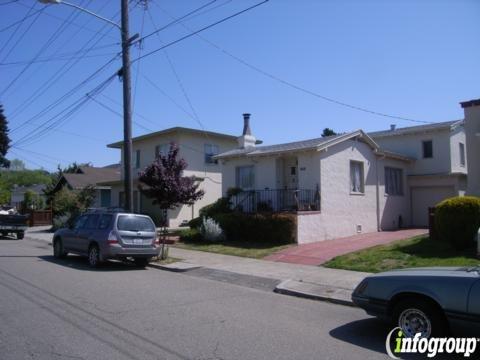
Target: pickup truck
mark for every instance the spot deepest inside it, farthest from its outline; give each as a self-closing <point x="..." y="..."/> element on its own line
<point x="13" y="224"/>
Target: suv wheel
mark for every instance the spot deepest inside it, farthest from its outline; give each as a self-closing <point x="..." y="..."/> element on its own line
<point x="93" y="256"/>
<point x="419" y="316"/>
<point x="58" y="250"/>
<point x="20" y="235"/>
<point x="141" y="262"/>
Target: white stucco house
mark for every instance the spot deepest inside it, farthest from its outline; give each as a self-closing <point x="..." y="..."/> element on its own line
<point x="197" y="147"/>
<point x="355" y="182"/>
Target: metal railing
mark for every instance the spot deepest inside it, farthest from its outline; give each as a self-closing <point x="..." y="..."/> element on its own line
<point x="278" y="200"/>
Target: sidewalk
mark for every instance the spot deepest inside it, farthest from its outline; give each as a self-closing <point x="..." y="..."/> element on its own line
<point x="320" y="252"/>
<point x="300" y="280"/>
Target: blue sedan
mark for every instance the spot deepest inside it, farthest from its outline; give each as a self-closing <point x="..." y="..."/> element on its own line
<point x="431" y="301"/>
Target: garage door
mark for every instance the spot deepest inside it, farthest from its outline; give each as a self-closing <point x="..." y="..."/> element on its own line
<point x="425" y="197"/>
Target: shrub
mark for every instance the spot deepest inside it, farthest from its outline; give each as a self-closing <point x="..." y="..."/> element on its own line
<point x="191" y="235"/>
<point x="221" y="206"/>
<point x="258" y="228"/>
<point x="61" y="221"/>
<point x="211" y="231"/>
<point x="457" y="221"/>
<point x="195" y="223"/>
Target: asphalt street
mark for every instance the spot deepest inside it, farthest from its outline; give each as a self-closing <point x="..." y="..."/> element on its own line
<point x="62" y="309"/>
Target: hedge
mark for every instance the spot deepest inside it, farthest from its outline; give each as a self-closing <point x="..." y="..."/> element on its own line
<point x="457" y="221"/>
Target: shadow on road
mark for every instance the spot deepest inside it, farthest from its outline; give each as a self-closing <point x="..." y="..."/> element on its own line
<point x="371" y="334"/>
<point x="367" y="333"/>
<point x="80" y="263"/>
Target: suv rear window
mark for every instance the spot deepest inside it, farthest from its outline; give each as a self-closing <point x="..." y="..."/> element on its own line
<point x="135" y="223"/>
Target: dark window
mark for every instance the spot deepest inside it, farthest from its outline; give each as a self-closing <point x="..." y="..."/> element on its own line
<point x="137" y="159"/>
<point x="245" y="177"/>
<point x="105" y="221"/>
<point x="293" y="170"/>
<point x="393" y="181"/>
<point x="92" y="221"/>
<point x="135" y="223"/>
<point x="462" y="154"/>
<point x="427" y="149"/>
<point x="210" y="151"/>
<point x="80" y="223"/>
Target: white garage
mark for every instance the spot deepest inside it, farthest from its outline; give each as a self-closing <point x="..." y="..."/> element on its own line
<point x="425" y="197"/>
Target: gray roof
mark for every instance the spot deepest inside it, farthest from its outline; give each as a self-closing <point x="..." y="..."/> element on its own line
<point x="415" y="129"/>
<point x="36" y="188"/>
<point x="176" y="129"/>
<point x="311" y="144"/>
<point x="278" y="148"/>
<point x="91" y="176"/>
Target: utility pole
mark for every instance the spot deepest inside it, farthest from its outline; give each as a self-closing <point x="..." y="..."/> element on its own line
<point x="127" y="109"/>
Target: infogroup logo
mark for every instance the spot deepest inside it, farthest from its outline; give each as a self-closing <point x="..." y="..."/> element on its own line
<point x="430" y="346"/>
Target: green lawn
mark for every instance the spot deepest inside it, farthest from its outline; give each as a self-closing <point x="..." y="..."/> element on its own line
<point x="191" y="241"/>
<point x="415" y="252"/>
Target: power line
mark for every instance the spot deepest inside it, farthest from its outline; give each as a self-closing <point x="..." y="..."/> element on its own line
<point x="180" y="84"/>
<point x="113" y="111"/>
<point x="200" y="30"/>
<point x="175" y="21"/>
<point x="18" y="28"/>
<point x="66" y="95"/>
<point x="65" y="69"/>
<point x="46" y="45"/>
<point x="21" y="20"/>
<point x="56" y="121"/>
<point x="61" y="19"/>
<point x="291" y="84"/>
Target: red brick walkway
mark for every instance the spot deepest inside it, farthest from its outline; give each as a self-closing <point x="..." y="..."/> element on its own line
<point x="319" y="252"/>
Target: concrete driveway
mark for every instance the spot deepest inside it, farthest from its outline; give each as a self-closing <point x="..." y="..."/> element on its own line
<point x="322" y="251"/>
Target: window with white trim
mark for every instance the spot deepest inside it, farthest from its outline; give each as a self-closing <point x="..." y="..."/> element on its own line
<point x="427" y="147"/>
<point x="245" y="177"/>
<point x="462" y="154"/>
<point x="357" y="182"/>
<point x="210" y="151"/>
<point x="393" y="181"/>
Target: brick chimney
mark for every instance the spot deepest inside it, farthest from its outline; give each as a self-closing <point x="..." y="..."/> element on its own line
<point x="247" y="139"/>
<point x="472" y="133"/>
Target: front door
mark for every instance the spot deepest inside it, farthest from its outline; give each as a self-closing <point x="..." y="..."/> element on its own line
<point x="291" y="173"/>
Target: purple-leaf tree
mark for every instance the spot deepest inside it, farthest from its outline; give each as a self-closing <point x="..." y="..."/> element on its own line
<point x="164" y="183"/>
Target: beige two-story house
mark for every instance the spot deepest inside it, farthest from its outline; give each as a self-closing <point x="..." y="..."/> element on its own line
<point x="197" y="147"/>
<point x="351" y="183"/>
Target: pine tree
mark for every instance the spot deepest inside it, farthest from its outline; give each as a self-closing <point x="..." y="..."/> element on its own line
<point x="4" y="140"/>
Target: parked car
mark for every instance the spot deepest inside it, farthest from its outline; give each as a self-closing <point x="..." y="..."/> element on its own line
<point x="433" y="301"/>
<point x="102" y="235"/>
<point x="12" y="223"/>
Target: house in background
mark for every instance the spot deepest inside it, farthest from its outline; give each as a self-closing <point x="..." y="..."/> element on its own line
<point x="197" y="147"/>
<point x="18" y="194"/>
<point x="350" y="183"/>
<point x="472" y="128"/>
<point x="440" y="168"/>
<point x="92" y="176"/>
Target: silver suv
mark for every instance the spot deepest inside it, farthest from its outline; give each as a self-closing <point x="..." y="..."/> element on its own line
<point x="102" y="235"/>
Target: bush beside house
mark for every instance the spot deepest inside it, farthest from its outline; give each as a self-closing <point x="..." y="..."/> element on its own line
<point x="238" y="227"/>
<point x="457" y="221"/>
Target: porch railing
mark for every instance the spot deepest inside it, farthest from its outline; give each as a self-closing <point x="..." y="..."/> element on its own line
<point x="276" y="200"/>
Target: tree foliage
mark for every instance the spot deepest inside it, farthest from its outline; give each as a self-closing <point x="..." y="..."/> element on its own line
<point x="328" y="132"/>
<point x="4" y="139"/>
<point x="163" y="182"/>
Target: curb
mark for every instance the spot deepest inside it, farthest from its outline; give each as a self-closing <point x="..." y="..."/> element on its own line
<point x="315" y="292"/>
<point x="178" y="266"/>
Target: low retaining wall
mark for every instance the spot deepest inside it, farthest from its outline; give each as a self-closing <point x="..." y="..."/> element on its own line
<point x="314" y="226"/>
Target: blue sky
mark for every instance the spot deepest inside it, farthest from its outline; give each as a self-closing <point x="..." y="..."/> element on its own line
<point x="407" y="58"/>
